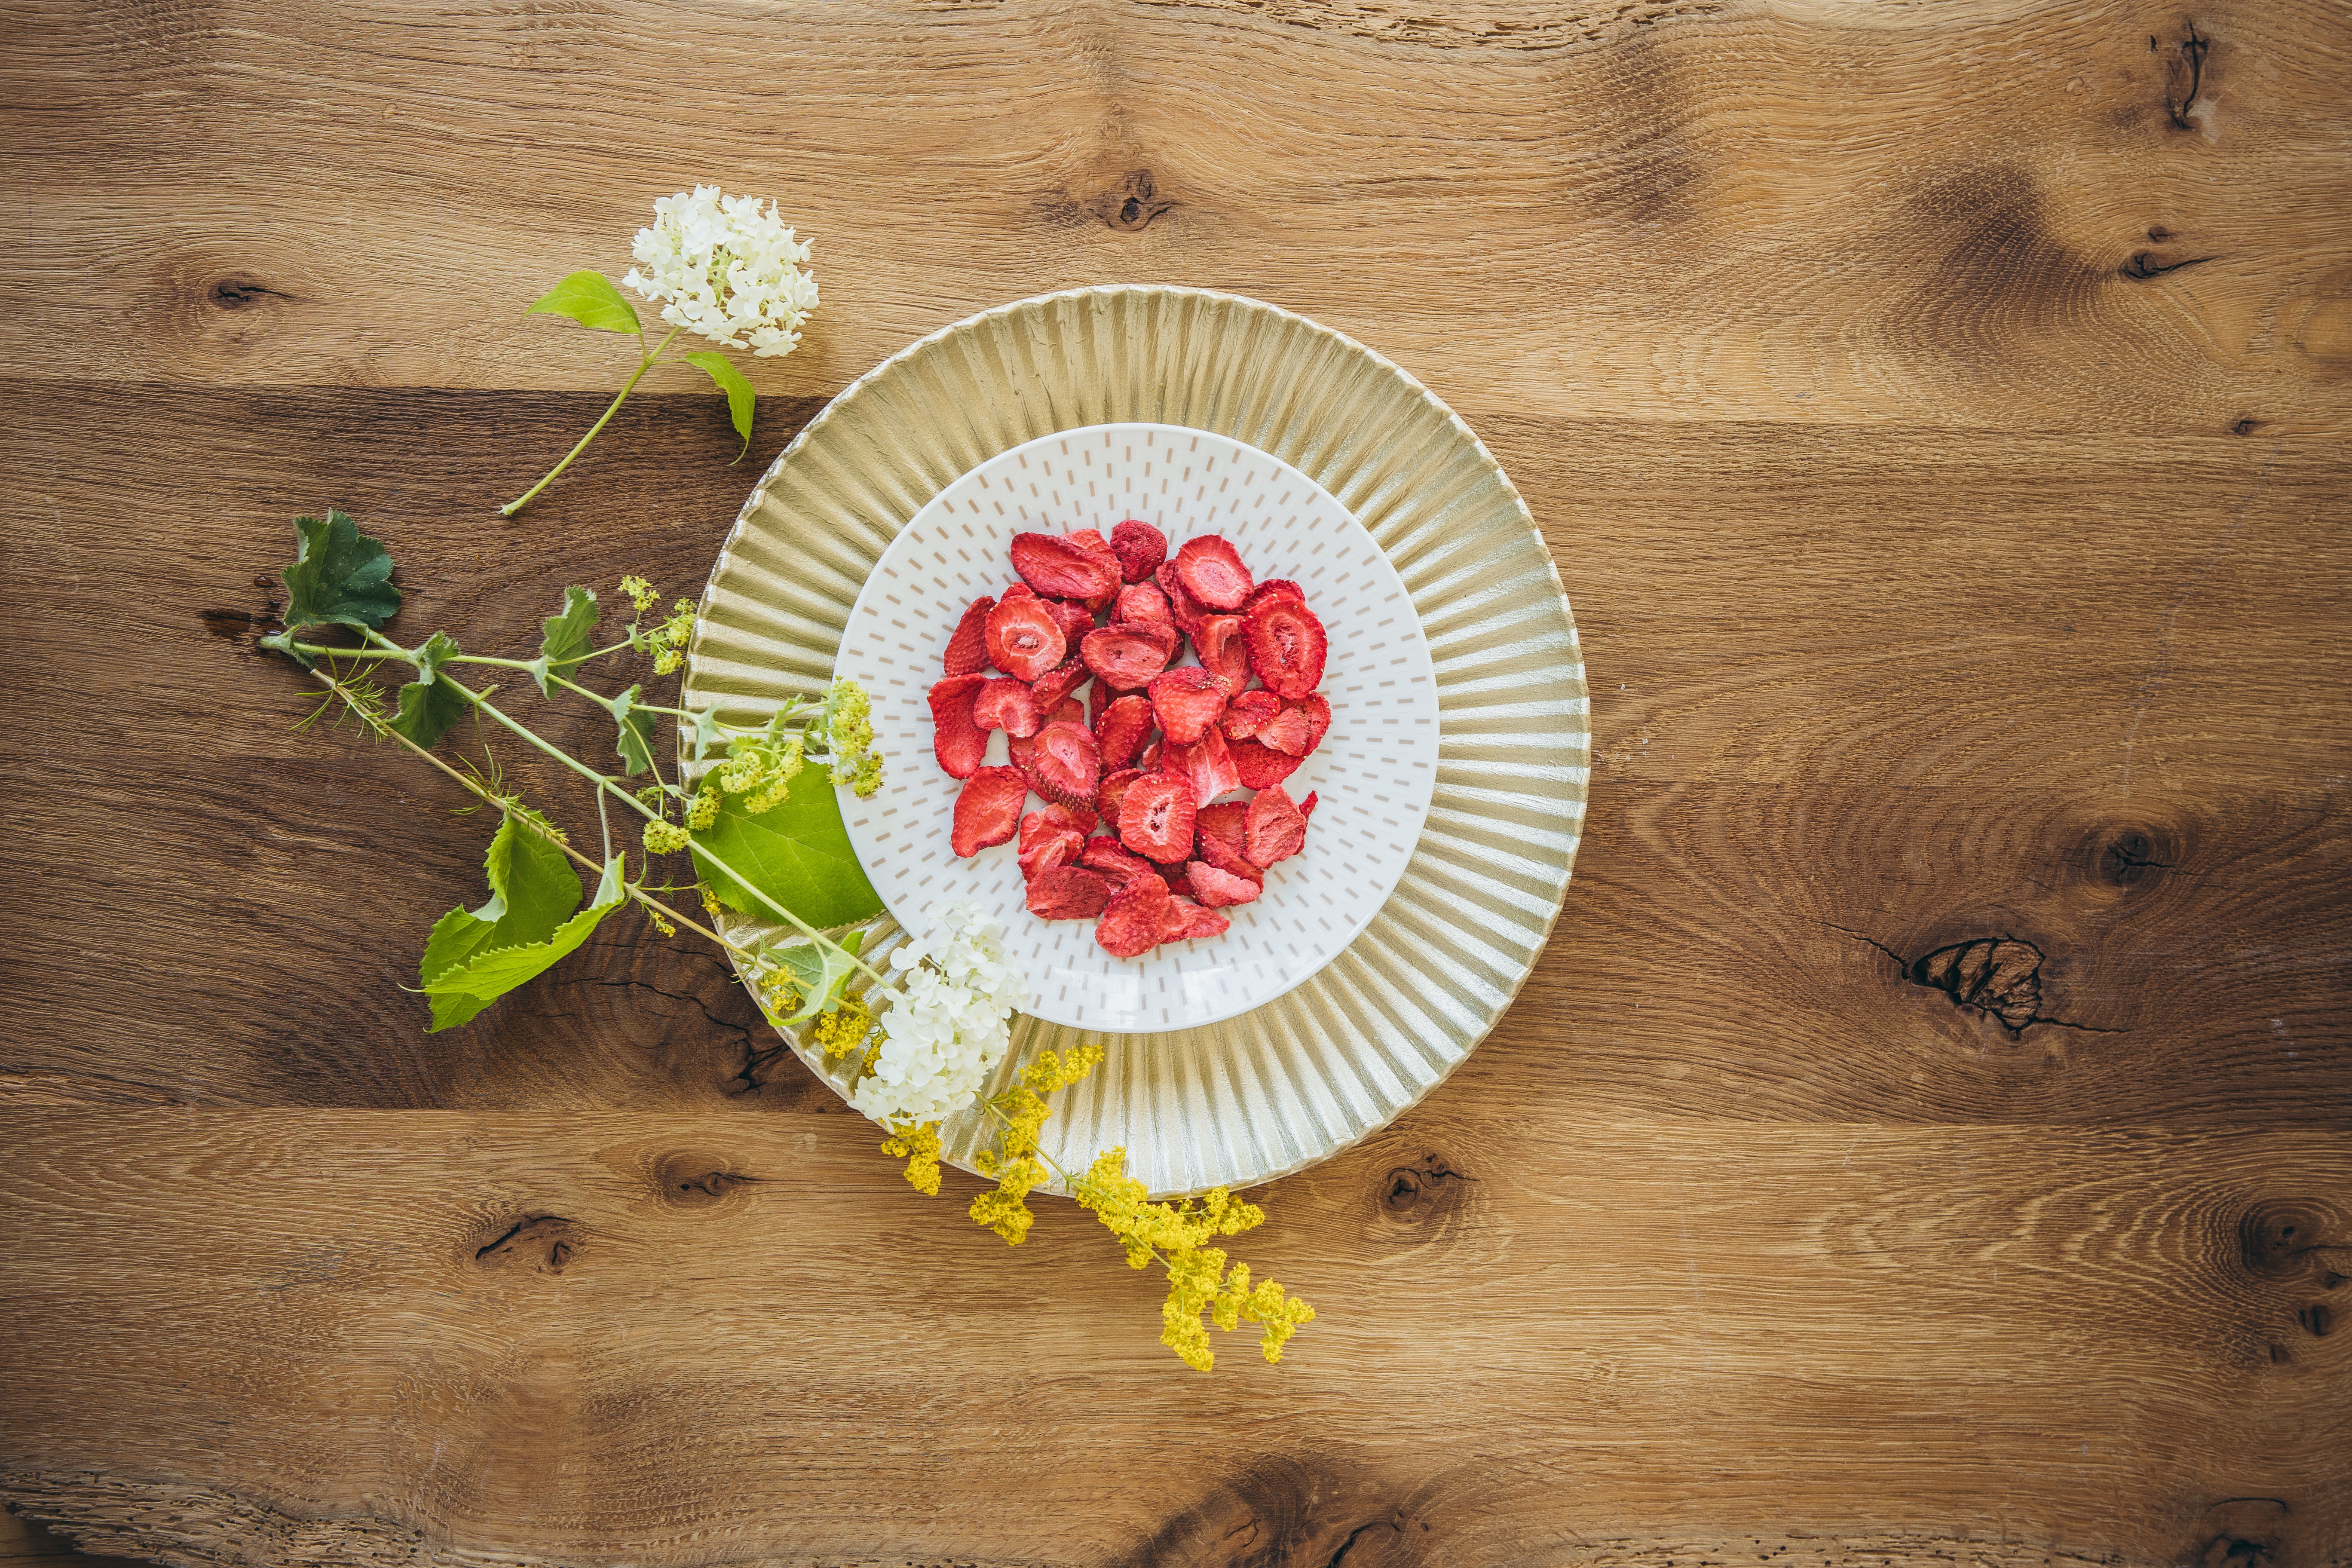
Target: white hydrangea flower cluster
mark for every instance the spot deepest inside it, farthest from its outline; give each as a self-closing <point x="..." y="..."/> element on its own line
<point x="947" y="1023"/>
<point x="729" y="267"/>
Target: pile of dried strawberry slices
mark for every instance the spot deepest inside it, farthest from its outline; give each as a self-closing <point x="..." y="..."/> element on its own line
<point x="1151" y="752"/>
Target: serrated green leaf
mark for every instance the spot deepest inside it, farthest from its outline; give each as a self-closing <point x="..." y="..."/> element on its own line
<point x="475" y="956"/>
<point x="566" y="638"/>
<point x="740" y="398"/>
<point x="820" y="974"/>
<point x="340" y="577"/>
<point x="706" y="731"/>
<point x="589" y="299"/>
<point x="635" y="744"/>
<point x="798" y="854"/>
<point x="429" y="705"/>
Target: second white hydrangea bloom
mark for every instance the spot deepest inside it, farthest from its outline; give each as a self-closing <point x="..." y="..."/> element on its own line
<point x="728" y="267"/>
<point x="951" y="1023"/>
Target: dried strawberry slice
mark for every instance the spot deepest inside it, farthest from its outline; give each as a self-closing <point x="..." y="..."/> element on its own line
<point x="1024" y="640"/>
<point x="1260" y="766"/>
<point x="1140" y="548"/>
<point x="1187" y="702"/>
<point x="1219" y="889"/>
<point x="1056" y="846"/>
<point x="1212" y="572"/>
<point x="1274" y="830"/>
<point x="1095" y="545"/>
<point x="1245" y="711"/>
<point x="1206" y="761"/>
<point x="1277" y="588"/>
<point x="1075" y="619"/>
<point x="1068" y="710"/>
<point x="987" y="811"/>
<point x="1043" y="826"/>
<point x="1307" y="806"/>
<point x="1113" y="791"/>
<point x="1318" y="719"/>
<point x="1131" y="920"/>
<point x="1149" y="760"/>
<point x="1186" y="920"/>
<point x="1115" y="862"/>
<point x="1021" y="749"/>
<point x="1286" y="732"/>
<point x="1059" y="681"/>
<point x="1155" y="817"/>
<point x="1066" y="765"/>
<point x="1067" y="893"/>
<point x="1182" y="607"/>
<point x="959" y="744"/>
<point x="968" y="649"/>
<point x="1286" y="646"/>
<point x="1127" y="657"/>
<point x="1061" y="568"/>
<point x="1231" y="861"/>
<point x="1122" y="730"/>
<point x="1099" y="701"/>
<point x="1224" y="649"/>
<point x="1009" y="705"/>
<point x="1222" y="824"/>
<point x="1142" y="605"/>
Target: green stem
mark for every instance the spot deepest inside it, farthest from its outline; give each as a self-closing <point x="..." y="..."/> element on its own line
<point x="645" y="362"/>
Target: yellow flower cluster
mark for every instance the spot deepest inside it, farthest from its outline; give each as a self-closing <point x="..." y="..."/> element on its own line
<point x="849" y="732"/>
<point x="665" y="837"/>
<point x="1177" y="1236"/>
<point x="1023" y="1111"/>
<point x="919" y="1147"/>
<point x="641" y="594"/>
<point x="760" y="768"/>
<point x="845" y="1030"/>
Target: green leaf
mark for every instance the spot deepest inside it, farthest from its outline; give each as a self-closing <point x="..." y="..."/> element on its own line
<point x="340" y="577"/>
<point x="429" y="705"/>
<point x="706" y="731"/>
<point x="798" y="854"/>
<point x="566" y="636"/>
<point x="820" y="972"/>
<point x="475" y="956"/>
<point x="738" y="388"/>
<point x="589" y="299"/>
<point x="637" y="743"/>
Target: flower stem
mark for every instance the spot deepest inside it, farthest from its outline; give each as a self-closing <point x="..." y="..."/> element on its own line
<point x="645" y="362"/>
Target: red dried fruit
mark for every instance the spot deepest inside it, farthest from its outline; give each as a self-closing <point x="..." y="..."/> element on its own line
<point x="1140" y="549"/>
<point x="1024" y="640"/>
<point x="987" y="811"/>
<point x="1009" y="705"/>
<point x="1261" y="766"/>
<point x="1061" y="568"/>
<point x="1066" y="765"/>
<point x="968" y="649"/>
<point x="1307" y="806"/>
<point x="1050" y="823"/>
<point x="1285" y="732"/>
<point x="1224" y="650"/>
<point x="1095" y="545"/>
<point x="1099" y="701"/>
<point x="1245" y="711"/>
<point x="1187" y="702"/>
<point x="1219" y="889"/>
<point x="1184" y="609"/>
<point x="1067" y="893"/>
<point x="1231" y="861"/>
<point x="1205" y="763"/>
<point x="1054" y="846"/>
<point x="1149" y="760"/>
<point x="959" y="744"/>
<point x="1142" y="606"/>
<point x="1068" y="710"/>
<point x="1075" y="619"/>
<point x="1274" y="830"/>
<point x="1222" y="824"/>
<point x="1122" y="730"/>
<point x="1212" y="572"/>
<point x="1059" y="681"/>
<point x="1127" y="657"/>
<point x="1277" y="588"/>
<point x="1156" y="817"/>
<point x="1186" y="920"/>
<point x="1286" y="646"/>
<point x="1020" y="749"/>
<point x="1318" y="719"/>
<point x="1131" y="921"/>
<point x="1113" y="791"/>
<point x="1116" y="862"/>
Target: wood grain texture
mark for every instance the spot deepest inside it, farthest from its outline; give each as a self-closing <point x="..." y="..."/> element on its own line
<point x="1924" y="1140"/>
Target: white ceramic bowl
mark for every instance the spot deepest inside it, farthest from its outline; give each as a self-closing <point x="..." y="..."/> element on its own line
<point x="1372" y="774"/>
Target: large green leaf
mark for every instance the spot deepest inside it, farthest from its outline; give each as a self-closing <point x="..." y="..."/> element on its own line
<point x="740" y="398"/>
<point x="635" y="744"/>
<point x="429" y="705"/>
<point x="339" y="576"/>
<point x="820" y="972"/>
<point x="475" y="956"/>
<point x="798" y="854"/>
<point x="589" y="299"/>
<point x="567" y="636"/>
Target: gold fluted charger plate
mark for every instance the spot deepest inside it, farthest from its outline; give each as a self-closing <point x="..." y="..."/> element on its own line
<point x="1307" y="1074"/>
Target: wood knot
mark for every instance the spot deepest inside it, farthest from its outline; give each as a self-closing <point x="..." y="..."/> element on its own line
<point x="544" y="1243"/>
<point x="1133" y="203"/>
<point x="239" y="294"/>
<point x="693" y="1180"/>
<point x="2285" y="1238"/>
<point x="1996" y="976"/>
<point x="1416" y="1201"/>
<point x="2129" y="855"/>
<point x="2240" y="1532"/>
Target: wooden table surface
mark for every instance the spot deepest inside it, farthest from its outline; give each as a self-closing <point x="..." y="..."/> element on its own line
<point x="1938" y="414"/>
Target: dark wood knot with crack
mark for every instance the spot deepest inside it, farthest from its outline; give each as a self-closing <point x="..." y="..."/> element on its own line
<point x="1133" y="203"/>
<point x="544" y="1243"/>
<point x="2184" y="75"/>
<point x="691" y="1180"/>
<point x="1999" y="977"/>
<point x="1417" y="1203"/>
<point x="241" y="293"/>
